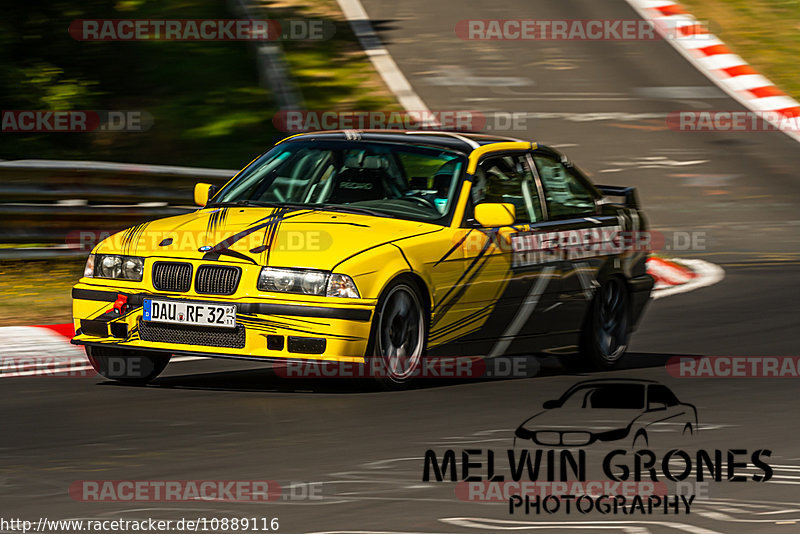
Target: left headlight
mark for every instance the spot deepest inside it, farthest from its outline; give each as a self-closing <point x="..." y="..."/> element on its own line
<point x="115" y="267"/>
<point x="307" y="282"/>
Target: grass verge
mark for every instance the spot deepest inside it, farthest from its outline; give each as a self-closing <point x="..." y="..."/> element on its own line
<point x="207" y="106"/>
<point x="766" y="33"/>
<point x="37" y="292"/>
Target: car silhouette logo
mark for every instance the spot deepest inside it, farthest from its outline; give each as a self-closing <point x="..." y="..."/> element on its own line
<point x="608" y="410"/>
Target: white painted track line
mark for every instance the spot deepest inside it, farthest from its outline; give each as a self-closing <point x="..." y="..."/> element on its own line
<point x="392" y="76"/>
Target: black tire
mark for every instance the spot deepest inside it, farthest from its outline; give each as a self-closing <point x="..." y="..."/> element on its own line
<point x="125" y="365"/>
<point x="606" y="331"/>
<point x="399" y="335"/>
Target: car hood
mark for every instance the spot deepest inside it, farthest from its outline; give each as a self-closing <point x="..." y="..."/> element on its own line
<point x="581" y="419"/>
<point x="281" y="237"/>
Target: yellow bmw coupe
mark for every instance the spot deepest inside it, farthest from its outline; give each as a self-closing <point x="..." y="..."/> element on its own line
<point x="372" y="247"/>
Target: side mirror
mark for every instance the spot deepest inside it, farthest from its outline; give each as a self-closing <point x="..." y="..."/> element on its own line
<point x="549" y="405"/>
<point x="656" y="406"/>
<point x="494" y="214"/>
<point x="203" y="193"/>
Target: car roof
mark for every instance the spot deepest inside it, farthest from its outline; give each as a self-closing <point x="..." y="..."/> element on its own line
<point x="461" y="141"/>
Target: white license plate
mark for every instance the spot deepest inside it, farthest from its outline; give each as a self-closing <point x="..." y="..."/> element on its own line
<point x="192" y="313"/>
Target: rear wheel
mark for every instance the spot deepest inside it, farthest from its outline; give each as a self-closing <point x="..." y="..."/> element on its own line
<point x="607" y="329"/>
<point x="125" y="365"/>
<point x="399" y="334"/>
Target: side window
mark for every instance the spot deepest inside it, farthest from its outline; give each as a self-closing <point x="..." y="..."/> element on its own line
<point x="564" y="193"/>
<point x="508" y="179"/>
<point x="662" y="394"/>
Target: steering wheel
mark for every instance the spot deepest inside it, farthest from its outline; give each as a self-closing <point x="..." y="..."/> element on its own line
<point x="424" y="201"/>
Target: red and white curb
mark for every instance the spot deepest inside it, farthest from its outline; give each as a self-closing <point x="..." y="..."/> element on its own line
<point x="46" y="351"/>
<point x="39" y="350"/>
<point x="675" y="276"/>
<point x="713" y="58"/>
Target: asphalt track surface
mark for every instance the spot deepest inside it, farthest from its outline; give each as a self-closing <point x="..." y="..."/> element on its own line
<point x="232" y="421"/>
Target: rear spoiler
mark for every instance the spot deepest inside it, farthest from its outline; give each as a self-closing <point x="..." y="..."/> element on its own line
<point x="628" y="193"/>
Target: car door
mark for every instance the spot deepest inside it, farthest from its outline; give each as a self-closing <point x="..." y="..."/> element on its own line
<point x="506" y="291"/>
<point x="585" y="238"/>
<point x="665" y="414"/>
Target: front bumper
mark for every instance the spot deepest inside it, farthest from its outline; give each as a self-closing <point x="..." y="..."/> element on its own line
<point x="267" y="329"/>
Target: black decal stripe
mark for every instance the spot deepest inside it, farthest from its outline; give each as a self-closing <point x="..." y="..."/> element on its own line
<point x="274" y="327"/>
<point x="252" y="317"/>
<point x="461" y="323"/>
<point x="271" y="232"/>
<point x="472" y="265"/>
<point x="291" y="310"/>
<point x="391" y="241"/>
<point x="256" y="327"/>
<point x="227" y="243"/>
<point x="218" y="249"/>
<point x="131" y="237"/>
<point x="232" y="253"/>
<point x="404" y="257"/>
<point x="216" y="219"/>
<point x="453" y="248"/>
<point x="445" y="306"/>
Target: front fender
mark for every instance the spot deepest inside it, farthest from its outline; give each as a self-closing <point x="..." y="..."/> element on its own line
<point x="373" y="269"/>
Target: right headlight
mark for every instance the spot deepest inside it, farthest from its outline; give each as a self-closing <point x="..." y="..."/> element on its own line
<point x="115" y="267"/>
<point x="307" y="282"/>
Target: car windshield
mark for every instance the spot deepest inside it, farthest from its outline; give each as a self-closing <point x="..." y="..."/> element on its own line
<point x="607" y="396"/>
<point x="395" y="180"/>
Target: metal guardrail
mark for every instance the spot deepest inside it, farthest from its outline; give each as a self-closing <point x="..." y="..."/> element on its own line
<point x="44" y="202"/>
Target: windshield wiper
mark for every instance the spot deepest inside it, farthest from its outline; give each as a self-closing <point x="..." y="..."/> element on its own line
<point x="242" y="203"/>
<point x="352" y="209"/>
<point x="298" y="205"/>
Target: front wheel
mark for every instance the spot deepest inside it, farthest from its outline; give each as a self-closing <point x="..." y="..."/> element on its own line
<point x="607" y="329"/>
<point x="399" y="334"/>
<point x="125" y="365"/>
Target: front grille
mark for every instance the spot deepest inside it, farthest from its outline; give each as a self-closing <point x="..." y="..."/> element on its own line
<point x="170" y="276"/>
<point x="554" y="438"/>
<point x="232" y="338"/>
<point x="217" y="279"/>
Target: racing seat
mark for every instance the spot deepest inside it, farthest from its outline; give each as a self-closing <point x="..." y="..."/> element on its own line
<point x="360" y="181"/>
